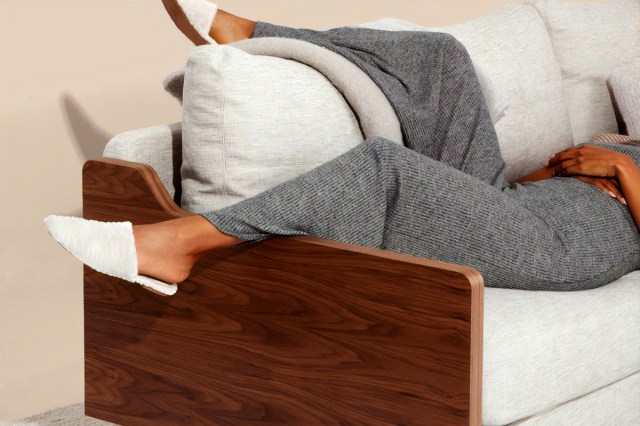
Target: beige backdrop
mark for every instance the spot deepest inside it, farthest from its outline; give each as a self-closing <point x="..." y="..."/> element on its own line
<point x="74" y="73"/>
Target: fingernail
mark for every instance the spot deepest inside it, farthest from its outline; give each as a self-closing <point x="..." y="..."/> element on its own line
<point x="624" y="201"/>
<point x="612" y="194"/>
<point x="546" y="164"/>
<point x="553" y="155"/>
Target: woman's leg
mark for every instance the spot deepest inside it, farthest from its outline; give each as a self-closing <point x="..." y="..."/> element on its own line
<point x="380" y="194"/>
<point x="168" y="250"/>
<point x="431" y="82"/>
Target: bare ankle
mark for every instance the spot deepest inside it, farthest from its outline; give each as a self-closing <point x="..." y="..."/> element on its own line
<point x="201" y="236"/>
<point x="228" y="28"/>
<point x="168" y="250"/>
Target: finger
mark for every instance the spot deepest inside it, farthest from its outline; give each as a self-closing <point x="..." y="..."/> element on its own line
<point x="614" y="190"/>
<point x="570" y="149"/>
<point x="608" y="186"/>
<point x="562" y="156"/>
<point x="580" y="166"/>
<point x="615" y="183"/>
<point x="584" y="151"/>
<point x="570" y="170"/>
<point x="599" y="183"/>
<point x="600" y="186"/>
<point x="562" y="169"/>
<point x="603" y="185"/>
<point x="611" y="183"/>
<point x="611" y="189"/>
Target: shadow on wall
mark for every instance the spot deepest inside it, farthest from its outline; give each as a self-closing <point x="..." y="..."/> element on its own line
<point x="89" y="139"/>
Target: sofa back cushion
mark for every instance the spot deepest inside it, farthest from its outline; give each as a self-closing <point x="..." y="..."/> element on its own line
<point x="590" y="41"/>
<point x="252" y="122"/>
<point x="511" y="46"/>
<point x="625" y="90"/>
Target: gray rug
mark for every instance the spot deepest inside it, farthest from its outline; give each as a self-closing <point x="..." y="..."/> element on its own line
<point x="72" y="415"/>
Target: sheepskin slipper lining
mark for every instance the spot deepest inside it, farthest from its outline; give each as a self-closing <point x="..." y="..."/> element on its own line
<point x="107" y="247"/>
<point x="200" y="14"/>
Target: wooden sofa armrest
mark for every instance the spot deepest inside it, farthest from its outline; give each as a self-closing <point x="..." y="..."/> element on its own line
<point x="287" y="330"/>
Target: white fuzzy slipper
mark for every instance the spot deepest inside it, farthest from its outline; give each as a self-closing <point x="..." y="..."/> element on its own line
<point x="200" y="14"/>
<point x="107" y="247"/>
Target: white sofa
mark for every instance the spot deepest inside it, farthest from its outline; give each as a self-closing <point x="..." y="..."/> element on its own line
<point x="552" y="358"/>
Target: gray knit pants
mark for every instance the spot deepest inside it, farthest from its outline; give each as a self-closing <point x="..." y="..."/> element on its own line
<point x="380" y="194"/>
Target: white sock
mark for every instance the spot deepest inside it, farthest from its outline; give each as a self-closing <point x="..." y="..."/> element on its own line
<point x="200" y="14"/>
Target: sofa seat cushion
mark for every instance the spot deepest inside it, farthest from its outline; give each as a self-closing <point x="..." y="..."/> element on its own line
<point x="544" y="348"/>
<point x="590" y="41"/>
<point x="614" y="404"/>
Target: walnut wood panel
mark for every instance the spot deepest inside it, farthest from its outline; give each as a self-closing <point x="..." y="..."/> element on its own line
<point x="288" y="330"/>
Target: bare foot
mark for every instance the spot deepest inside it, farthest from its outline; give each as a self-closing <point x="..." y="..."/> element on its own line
<point x="226" y="28"/>
<point x="168" y="250"/>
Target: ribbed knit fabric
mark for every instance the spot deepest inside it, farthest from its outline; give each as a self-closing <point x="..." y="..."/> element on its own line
<point x="443" y="196"/>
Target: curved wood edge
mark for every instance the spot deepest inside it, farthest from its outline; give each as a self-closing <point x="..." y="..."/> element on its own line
<point x="477" y="338"/>
<point x="149" y="176"/>
<point x="473" y="275"/>
<point x="167" y="209"/>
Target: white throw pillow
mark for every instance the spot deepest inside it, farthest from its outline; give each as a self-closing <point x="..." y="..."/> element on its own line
<point x="512" y="48"/>
<point x="625" y="87"/>
<point x="590" y="41"/>
<point x="252" y="122"/>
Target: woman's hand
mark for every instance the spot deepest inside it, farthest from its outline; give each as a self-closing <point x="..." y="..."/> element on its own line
<point x="597" y="162"/>
<point x="589" y="160"/>
<point x="610" y="186"/>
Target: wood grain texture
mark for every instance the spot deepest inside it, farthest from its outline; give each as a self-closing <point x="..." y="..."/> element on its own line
<point x="288" y="330"/>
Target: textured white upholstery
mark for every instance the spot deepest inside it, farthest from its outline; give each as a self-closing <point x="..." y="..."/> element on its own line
<point x="616" y="404"/>
<point x="590" y="41"/>
<point x="252" y="122"/>
<point x="158" y="146"/>
<point x="545" y="348"/>
<point x="625" y="88"/>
